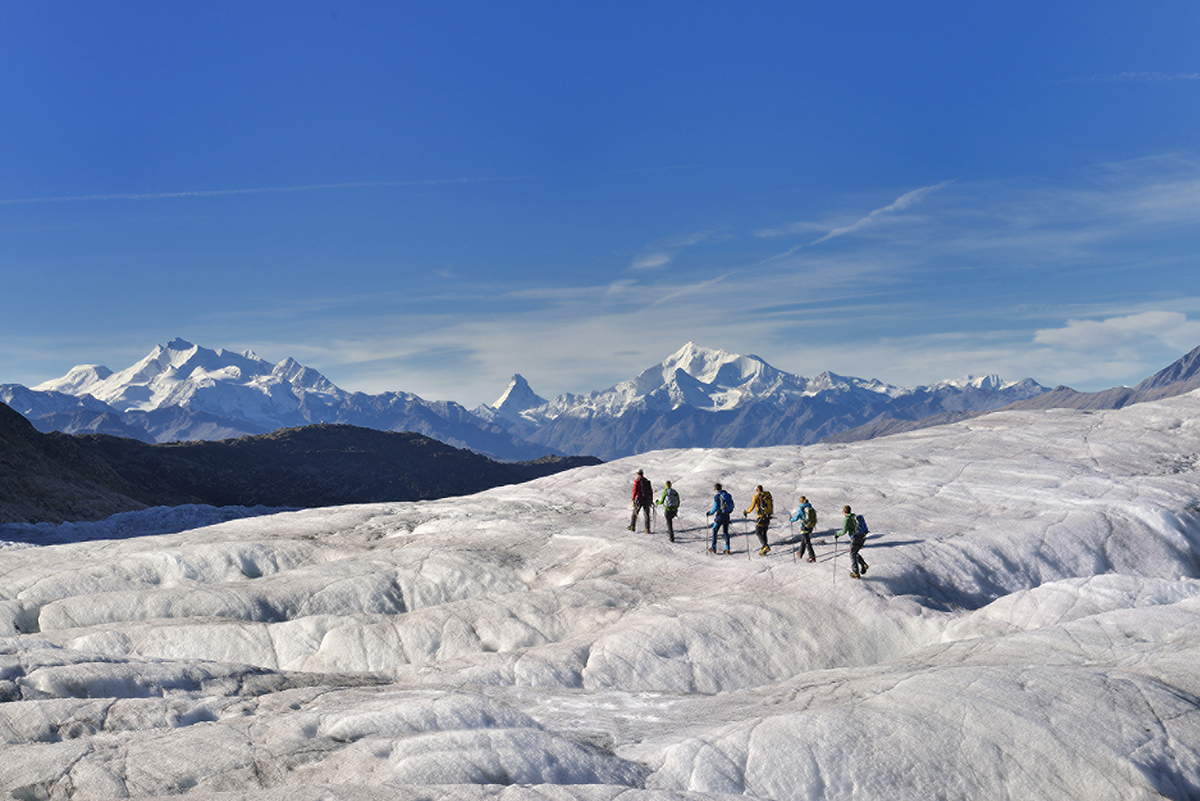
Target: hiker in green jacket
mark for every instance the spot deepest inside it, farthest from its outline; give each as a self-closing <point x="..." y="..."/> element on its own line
<point x="850" y="526"/>
<point x="670" y="504"/>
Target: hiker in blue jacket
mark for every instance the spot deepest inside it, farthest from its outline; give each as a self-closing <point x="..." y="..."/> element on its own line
<point x="809" y="515"/>
<point x="721" y="509"/>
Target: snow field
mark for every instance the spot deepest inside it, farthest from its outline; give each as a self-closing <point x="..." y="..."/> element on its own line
<point x="1028" y="628"/>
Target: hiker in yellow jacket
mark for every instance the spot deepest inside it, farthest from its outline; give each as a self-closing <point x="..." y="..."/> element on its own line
<point x="764" y="507"/>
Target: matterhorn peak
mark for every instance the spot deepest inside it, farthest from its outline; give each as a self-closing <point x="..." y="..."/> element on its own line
<point x="518" y="397"/>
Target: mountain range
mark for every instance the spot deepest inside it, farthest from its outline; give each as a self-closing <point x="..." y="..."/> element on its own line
<point x="696" y="397"/>
<point x="181" y="391"/>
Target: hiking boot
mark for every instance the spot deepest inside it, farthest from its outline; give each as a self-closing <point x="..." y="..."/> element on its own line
<point x="854" y="575"/>
<point x="863" y="569"/>
<point x="766" y="549"/>
<point x="812" y="558"/>
<point x="672" y="538"/>
<point x="727" y="552"/>
<point x="712" y="550"/>
<point x="631" y="528"/>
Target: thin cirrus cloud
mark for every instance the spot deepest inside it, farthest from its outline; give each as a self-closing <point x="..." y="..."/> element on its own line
<point x="902" y="203"/>
<point x="664" y="251"/>
<point x="257" y="190"/>
<point x="650" y="261"/>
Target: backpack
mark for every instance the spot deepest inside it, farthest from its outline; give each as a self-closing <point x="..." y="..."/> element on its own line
<point x="766" y="506"/>
<point x="810" y="516"/>
<point x="645" y="492"/>
<point x="671" y="499"/>
<point x="862" y="526"/>
<point x="726" y="504"/>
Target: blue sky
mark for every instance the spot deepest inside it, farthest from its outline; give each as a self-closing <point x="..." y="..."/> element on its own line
<point x="432" y="196"/>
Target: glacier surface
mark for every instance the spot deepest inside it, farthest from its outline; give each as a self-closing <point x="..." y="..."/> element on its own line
<point x="1029" y="628"/>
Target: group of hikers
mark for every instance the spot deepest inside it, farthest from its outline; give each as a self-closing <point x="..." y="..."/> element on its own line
<point x="762" y="507"/>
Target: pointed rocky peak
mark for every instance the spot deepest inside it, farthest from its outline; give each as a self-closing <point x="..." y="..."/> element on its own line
<point x="518" y="397"/>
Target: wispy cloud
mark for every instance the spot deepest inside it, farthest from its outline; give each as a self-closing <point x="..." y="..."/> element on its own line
<point x="650" y="261"/>
<point x="664" y="252"/>
<point x="1131" y="331"/>
<point x="791" y="229"/>
<point x="259" y="190"/>
<point x="902" y="203"/>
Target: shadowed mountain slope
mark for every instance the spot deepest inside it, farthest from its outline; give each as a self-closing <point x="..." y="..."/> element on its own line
<point x="57" y="477"/>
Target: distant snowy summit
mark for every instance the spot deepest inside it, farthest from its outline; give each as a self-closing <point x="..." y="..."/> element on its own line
<point x="696" y="397"/>
<point x="238" y="385"/>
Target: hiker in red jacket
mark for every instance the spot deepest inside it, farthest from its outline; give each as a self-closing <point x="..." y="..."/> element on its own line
<point x="643" y="501"/>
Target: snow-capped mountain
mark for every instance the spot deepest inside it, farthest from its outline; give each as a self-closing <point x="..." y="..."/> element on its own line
<point x="182" y="391"/>
<point x="1029" y="628"/>
<point x="699" y="397"/>
<point x="240" y="386"/>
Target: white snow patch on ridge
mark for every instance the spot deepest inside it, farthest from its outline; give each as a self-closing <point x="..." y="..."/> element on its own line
<point x="1029" y="628"/>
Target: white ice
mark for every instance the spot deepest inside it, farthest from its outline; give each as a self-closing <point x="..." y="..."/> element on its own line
<point x="1029" y="628"/>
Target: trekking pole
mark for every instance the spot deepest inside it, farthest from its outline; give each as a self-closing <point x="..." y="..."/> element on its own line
<point x="792" y="537"/>
<point x="835" y="560"/>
